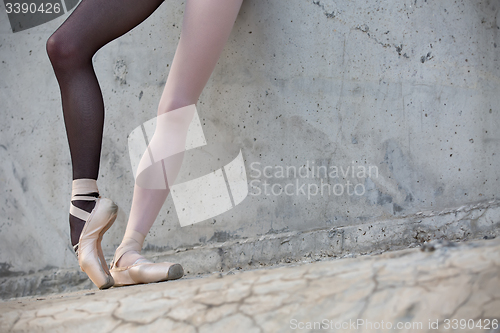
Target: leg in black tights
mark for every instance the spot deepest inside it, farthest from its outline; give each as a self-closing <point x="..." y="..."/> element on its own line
<point x="93" y="24"/>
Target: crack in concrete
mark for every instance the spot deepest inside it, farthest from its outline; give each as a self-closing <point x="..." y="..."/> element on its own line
<point x="327" y="14"/>
<point x="399" y="48"/>
<point x="340" y="245"/>
<point x="425" y="273"/>
<point x="367" y="298"/>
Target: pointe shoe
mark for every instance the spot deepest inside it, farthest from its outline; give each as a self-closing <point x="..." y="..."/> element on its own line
<point x="143" y="270"/>
<point x="88" y="250"/>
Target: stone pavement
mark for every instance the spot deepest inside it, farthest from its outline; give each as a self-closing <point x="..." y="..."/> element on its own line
<point x="454" y="287"/>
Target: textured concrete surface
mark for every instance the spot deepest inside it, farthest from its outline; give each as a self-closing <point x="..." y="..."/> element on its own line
<point x="466" y="222"/>
<point x="410" y="87"/>
<point x="440" y="285"/>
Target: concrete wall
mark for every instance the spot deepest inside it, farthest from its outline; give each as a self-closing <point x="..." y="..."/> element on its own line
<point x="408" y="87"/>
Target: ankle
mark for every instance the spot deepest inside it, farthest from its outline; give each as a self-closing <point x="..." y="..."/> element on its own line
<point x="75" y="228"/>
<point x="128" y="258"/>
<point x="81" y="187"/>
<point x="130" y="248"/>
<point x="84" y="186"/>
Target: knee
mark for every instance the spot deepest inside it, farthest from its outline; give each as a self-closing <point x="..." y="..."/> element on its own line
<point x="63" y="52"/>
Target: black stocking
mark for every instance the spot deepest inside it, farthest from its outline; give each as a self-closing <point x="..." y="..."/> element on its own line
<point x="93" y="24"/>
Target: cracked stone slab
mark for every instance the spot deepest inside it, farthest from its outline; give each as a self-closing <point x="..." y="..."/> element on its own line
<point x="466" y="222"/>
<point x="451" y="281"/>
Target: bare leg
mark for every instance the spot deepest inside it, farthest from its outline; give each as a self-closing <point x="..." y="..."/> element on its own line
<point x="205" y="29"/>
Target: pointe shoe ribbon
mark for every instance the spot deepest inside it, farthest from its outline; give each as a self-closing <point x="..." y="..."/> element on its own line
<point x="142" y="270"/>
<point x="97" y="222"/>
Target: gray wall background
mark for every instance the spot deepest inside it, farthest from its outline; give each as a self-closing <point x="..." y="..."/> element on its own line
<point x="409" y="86"/>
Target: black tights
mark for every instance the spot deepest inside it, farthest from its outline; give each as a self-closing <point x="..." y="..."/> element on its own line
<point x="93" y="24"/>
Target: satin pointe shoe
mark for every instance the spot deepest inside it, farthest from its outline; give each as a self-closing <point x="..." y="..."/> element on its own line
<point x="88" y="250"/>
<point x="142" y="270"/>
